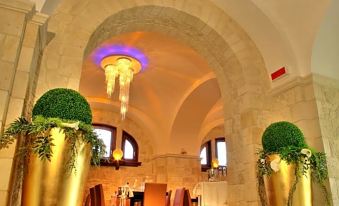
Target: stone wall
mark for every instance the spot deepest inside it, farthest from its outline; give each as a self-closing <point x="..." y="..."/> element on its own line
<point x="22" y="38"/>
<point x="177" y="170"/>
<point x="327" y="99"/>
<point x="297" y="102"/>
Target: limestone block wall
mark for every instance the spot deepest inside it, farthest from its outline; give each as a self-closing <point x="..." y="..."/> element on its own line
<point x="327" y="99"/>
<point x="241" y="148"/>
<point x="177" y="170"/>
<point x="295" y="102"/>
<point x="22" y="38"/>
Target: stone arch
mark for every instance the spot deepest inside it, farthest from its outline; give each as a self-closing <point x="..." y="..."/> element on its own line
<point x="236" y="48"/>
<point x="229" y="51"/>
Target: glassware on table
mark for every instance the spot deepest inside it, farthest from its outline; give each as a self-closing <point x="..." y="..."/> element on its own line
<point x="114" y="199"/>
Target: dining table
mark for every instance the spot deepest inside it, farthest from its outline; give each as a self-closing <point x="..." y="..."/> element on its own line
<point x="211" y="193"/>
<point x="135" y="200"/>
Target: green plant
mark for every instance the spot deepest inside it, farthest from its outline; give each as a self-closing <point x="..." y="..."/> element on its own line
<point x="64" y="104"/>
<point x="282" y="134"/>
<point x="76" y="126"/>
<point x="287" y="140"/>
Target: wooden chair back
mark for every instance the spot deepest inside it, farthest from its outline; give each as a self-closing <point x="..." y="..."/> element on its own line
<point x="93" y="196"/>
<point x="99" y="191"/>
<point x="179" y="197"/>
<point x="88" y="200"/>
<point x="97" y="195"/>
<point x="155" y="194"/>
<point x="187" y="198"/>
<point x="168" y="198"/>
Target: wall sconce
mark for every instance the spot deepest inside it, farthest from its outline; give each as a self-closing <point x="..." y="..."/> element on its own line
<point x="117" y="156"/>
<point x="215" y="163"/>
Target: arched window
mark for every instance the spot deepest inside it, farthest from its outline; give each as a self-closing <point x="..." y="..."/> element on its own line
<point x="108" y="136"/>
<point x="220" y="151"/>
<point x="205" y="156"/>
<point x="130" y="149"/>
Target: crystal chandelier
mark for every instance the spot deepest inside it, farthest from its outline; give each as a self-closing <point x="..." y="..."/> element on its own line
<point x="123" y="68"/>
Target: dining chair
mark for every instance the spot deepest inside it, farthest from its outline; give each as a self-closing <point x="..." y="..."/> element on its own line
<point x="99" y="193"/>
<point x="155" y="194"/>
<point x="179" y="197"/>
<point x="88" y="200"/>
<point x="93" y="196"/>
<point x="187" y="198"/>
<point x="168" y="198"/>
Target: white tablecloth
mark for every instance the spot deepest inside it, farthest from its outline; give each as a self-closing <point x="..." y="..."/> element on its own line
<point x="212" y="193"/>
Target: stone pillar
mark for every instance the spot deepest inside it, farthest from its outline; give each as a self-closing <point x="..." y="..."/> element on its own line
<point x="327" y="98"/>
<point x="22" y="33"/>
<point x="245" y="129"/>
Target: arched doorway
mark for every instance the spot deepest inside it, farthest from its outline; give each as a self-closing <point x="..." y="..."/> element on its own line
<point x="237" y="64"/>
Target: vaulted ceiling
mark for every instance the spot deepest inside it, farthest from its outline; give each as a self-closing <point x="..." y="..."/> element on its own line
<point x="177" y="85"/>
<point x="285" y="32"/>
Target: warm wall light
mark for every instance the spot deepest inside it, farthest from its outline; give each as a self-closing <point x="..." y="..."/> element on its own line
<point x="124" y="68"/>
<point x="117" y="156"/>
<point x="215" y="163"/>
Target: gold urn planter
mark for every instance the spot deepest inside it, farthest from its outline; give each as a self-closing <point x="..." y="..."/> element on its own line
<point x="50" y="182"/>
<point x="286" y="166"/>
<point x="58" y="143"/>
<point x="279" y="184"/>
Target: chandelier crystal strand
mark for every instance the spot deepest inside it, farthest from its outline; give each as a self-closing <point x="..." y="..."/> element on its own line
<point x="110" y="73"/>
<point x="124" y="79"/>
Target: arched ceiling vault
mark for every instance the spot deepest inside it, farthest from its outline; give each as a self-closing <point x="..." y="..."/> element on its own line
<point x="232" y="56"/>
<point x="214" y="118"/>
<point x="161" y="89"/>
<point x="189" y="119"/>
<point x="283" y="31"/>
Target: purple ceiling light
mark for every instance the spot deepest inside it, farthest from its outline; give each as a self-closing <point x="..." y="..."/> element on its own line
<point x="119" y="49"/>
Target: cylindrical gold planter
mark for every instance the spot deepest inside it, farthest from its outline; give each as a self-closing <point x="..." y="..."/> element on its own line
<point x="279" y="184"/>
<point x="49" y="183"/>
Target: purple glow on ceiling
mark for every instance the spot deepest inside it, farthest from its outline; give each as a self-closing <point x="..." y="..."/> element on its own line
<point x="119" y="49"/>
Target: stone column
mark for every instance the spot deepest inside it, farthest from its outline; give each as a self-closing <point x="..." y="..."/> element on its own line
<point x="22" y="33"/>
<point x="244" y="128"/>
<point x="327" y="98"/>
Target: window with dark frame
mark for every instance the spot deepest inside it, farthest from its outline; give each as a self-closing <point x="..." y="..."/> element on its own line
<point x="205" y="156"/>
<point x="220" y="151"/>
<point x="129" y="146"/>
<point x="108" y="135"/>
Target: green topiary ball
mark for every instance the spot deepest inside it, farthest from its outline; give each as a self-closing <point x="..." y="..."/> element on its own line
<point x="65" y="104"/>
<point x="282" y="134"/>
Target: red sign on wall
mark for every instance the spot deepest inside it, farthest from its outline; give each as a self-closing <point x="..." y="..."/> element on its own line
<point x="280" y="72"/>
